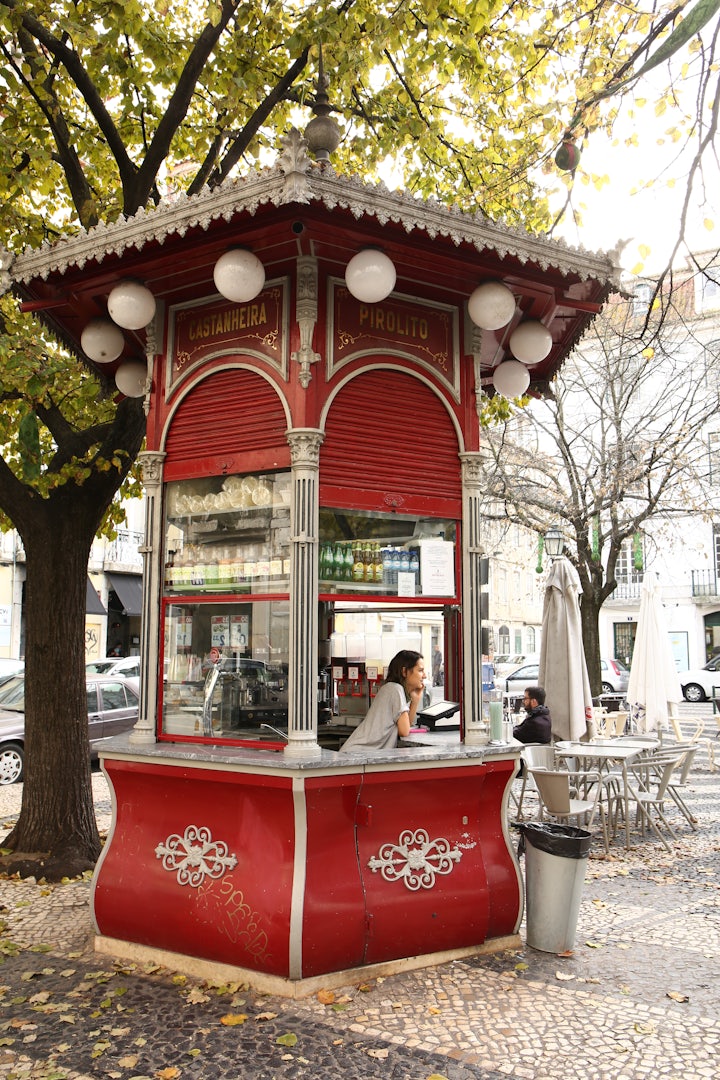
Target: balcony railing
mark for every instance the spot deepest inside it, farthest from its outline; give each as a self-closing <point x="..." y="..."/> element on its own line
<point x="628" y="590"/>
<point x="125" y="549"/>
<point x="705" y="583"/>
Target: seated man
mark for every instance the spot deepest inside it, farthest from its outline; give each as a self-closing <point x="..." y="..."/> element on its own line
<point x="537" y="725"/>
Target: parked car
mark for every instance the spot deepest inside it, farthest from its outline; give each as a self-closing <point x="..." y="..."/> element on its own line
<point x="697" y="684"/>
<point x="507" y="662"/>
<point x="614" y="674"/>
<point x="127" y="666"/>
<point x="112" y="704"/>
<point x="9" y="667"/>
<point x="516" y="681"/>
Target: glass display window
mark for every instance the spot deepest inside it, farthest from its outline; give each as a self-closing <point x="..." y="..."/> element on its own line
<point x="228" y="534"/>
<point x="225" y="671"/>
<point x="397" y="555"/>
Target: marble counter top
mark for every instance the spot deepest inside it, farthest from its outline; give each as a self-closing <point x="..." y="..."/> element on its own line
<point x="416" y="750"/>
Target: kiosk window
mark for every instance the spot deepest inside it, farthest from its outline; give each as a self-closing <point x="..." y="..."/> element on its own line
<point x="226" y="670"/>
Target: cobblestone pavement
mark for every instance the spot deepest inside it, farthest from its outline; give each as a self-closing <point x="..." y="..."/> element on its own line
<point x="639" y="996"/>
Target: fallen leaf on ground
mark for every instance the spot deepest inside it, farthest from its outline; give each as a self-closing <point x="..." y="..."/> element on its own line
<point x="677" y="996"/>
<point x="233" y="1019"/>
<point x="325" y="997"/>
<point x="266" y="1016"/>
<point x="381" y="1054"/>
<point x="563" y="976"/>
<point x="196" y="997"/>
<point x="288" y="1039"/>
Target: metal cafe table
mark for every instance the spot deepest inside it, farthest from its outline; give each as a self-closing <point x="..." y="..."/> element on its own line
<point x="602" y="754"/>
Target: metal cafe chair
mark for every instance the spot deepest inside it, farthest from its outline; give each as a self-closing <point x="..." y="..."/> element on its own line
<point x="556" y="789"/>
<point x="532" y="756"/>
<point x="653" y="777"/>
<point x="679" y="775"/>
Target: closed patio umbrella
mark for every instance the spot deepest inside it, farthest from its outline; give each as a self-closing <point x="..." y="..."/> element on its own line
<point x="654" y="684"/>
<point x="563" y="671"/>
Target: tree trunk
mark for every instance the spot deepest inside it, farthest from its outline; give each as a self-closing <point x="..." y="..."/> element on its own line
<point x="589" y="616"/>
<point x="56" y="834"/>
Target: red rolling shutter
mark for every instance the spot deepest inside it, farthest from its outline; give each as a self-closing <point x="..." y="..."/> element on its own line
<point x="388" y="434"/>
<point x="231" y="414"/>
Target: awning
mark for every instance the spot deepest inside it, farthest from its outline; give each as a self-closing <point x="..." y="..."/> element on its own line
<point x="93" y="603"/>
<point x="128" y="588"/>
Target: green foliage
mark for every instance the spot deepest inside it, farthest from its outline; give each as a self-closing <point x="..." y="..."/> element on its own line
<point x="29" y="447"/>
<point x="38" y="379"/>
<point x="470" y="99"/>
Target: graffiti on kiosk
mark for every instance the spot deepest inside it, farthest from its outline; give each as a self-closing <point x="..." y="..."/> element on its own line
<point x="224" y="907"/>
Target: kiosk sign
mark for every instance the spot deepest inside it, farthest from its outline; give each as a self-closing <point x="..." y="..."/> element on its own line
<point x="211" y="325"/>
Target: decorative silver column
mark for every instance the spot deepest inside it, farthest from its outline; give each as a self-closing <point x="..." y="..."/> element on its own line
<point x="306" y="306"/>
<point x="304" y="526"/>
<point x="472" y="552"/>
<point x="151" y="464"/>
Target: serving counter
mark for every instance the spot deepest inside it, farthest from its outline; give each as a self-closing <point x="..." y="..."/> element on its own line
<point x="288" y="870"/>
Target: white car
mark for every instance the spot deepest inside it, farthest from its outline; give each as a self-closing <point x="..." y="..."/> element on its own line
<point x="505" y="663"/>
<point x="613" y="672"/>
<point x="698" y="684"/>
<point x="126" y="666"/>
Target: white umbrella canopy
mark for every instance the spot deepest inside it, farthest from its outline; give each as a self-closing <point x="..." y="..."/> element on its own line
<point x="563" y="671"/>
<point x="654" y="684"/>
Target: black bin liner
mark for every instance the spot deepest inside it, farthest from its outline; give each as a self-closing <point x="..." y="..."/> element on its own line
<point x="564" y="840"/>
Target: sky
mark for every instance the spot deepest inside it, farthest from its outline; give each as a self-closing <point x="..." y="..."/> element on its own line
<point x="641" y="203"/>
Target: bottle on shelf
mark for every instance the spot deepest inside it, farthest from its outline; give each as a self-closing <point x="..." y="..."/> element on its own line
<point x="377" y="564"/>
<point x="387" y="565"/>
<point x="368" y="563"/>
<point x="358" y="567"/>
<point x="338" y="563"/>
<point x="348" y="563"/>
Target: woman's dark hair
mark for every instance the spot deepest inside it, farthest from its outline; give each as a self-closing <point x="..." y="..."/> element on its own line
<point x="405" y="660"/>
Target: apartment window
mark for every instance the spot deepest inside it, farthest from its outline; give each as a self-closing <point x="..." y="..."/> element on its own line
<point x="714" y="456"/>
<point x="625" y="570"/>
<point x="503" y="647"/>
<point x="642" y="295"/>
<point x="707" y="289"/>
<point x="530" y="638"/>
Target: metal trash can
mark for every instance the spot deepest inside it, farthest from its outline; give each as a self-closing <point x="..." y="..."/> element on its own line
<point x="555" y="863"/>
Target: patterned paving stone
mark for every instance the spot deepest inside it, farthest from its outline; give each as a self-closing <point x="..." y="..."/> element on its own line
<point x="639" y="996"/>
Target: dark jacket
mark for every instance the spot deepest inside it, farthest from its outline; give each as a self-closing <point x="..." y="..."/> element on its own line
<point x="536" y="727"/>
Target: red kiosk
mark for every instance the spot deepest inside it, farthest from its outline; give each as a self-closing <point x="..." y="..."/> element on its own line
<point x="315" y="351"/>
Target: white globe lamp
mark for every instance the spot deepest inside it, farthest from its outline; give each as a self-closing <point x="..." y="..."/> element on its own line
<point x="239" y="275"/>
<point x="131" y="377"/>
<point x="102" y="341"/>
<point x="491" y="305"/>
<point x="530" y="342"/>
<point x="131" y="305"/>
<point x="370" y="275"/>
<point x="511" y="378"/>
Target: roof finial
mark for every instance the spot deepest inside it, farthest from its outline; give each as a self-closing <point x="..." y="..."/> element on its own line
<point x="322" y="134"/>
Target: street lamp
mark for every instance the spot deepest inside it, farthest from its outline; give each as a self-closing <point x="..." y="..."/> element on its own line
<point x="554" y="542"/>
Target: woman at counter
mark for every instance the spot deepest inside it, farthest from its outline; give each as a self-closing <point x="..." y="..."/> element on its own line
<point x="393" y="710"/>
